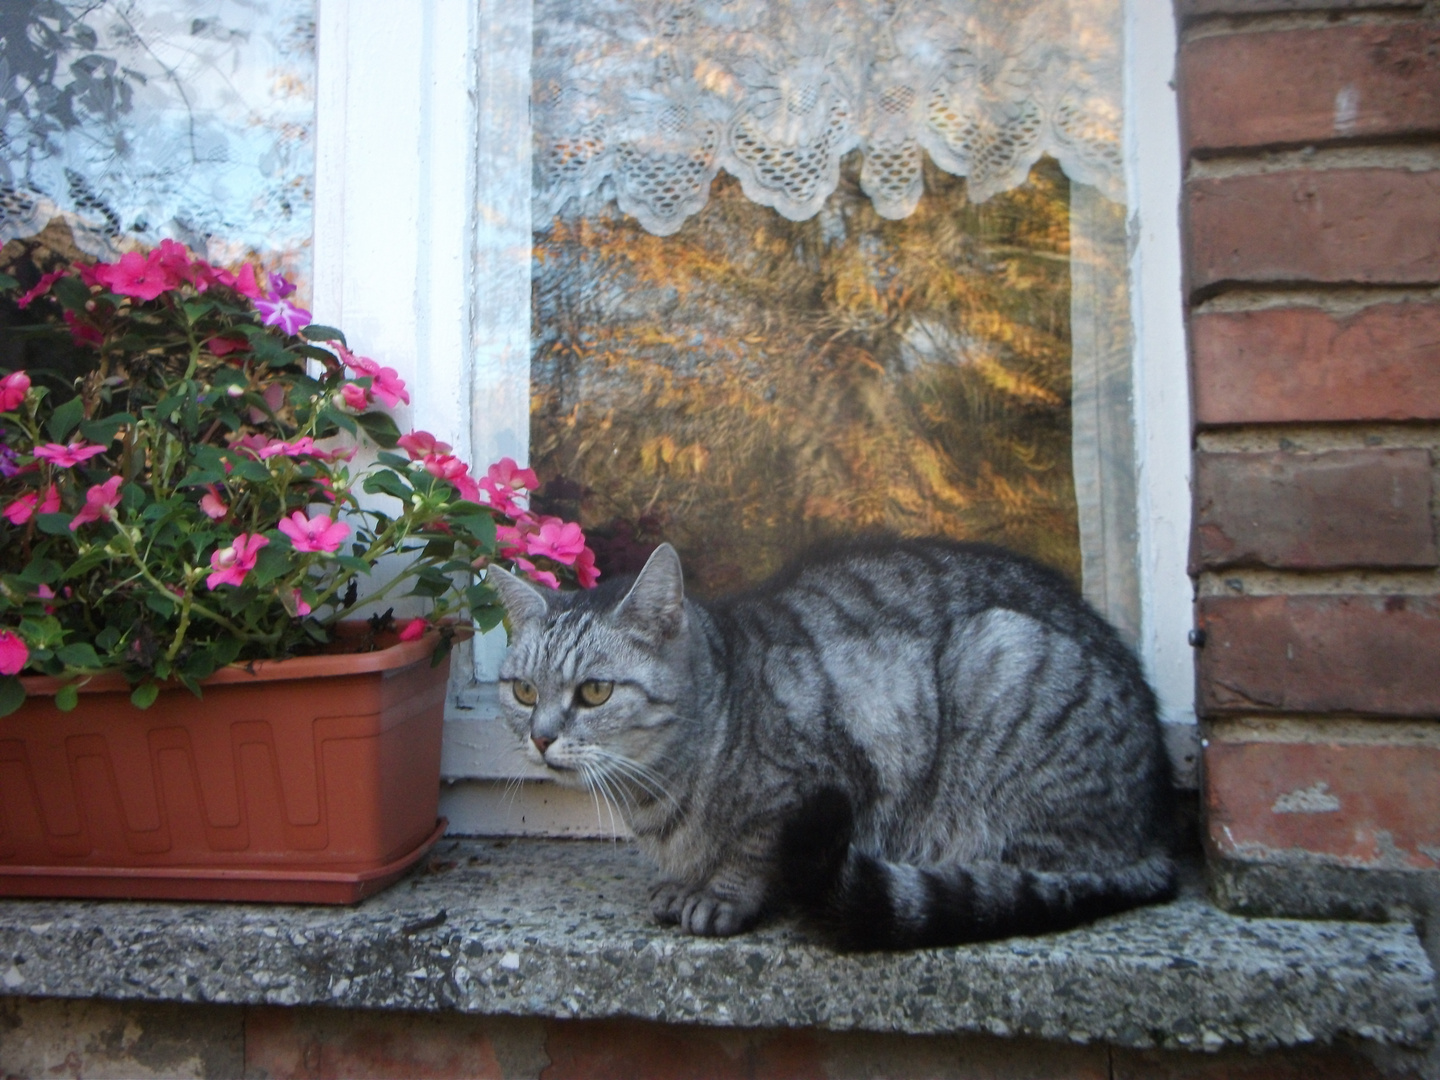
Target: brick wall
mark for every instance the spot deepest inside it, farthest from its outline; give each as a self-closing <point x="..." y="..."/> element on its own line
<point x="1311" y="130"/>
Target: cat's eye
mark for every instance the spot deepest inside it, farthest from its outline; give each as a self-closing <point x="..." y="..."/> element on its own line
<point x="594" y="692"/>
<point x="524" y="691"/>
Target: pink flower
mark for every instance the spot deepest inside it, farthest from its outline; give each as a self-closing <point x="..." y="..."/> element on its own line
<point x="354" y="397"/>
<point x="234" y="562"/>
<point x="224" y="346"/>
<point x="13" y="388"/>
<point x="251" y="444"/>
<point x="211" y="504"/>
<point x="506" y="473"/>
<point x="65" y="456"/>
<point x="413" y="630"/>
<point x="419" y="444"/>
<point x="284" y="314"/>
<point x="14" y="655"/>
<point x="559" y="540"/>
<point x="243" y="282"/>
<point x="585" y="571"/>
<point x="540" y="577"/>
<point x="301" y="447"/>
<point x="80" y="332"/>
<point x="100" y="501"/>
<point x="451" y="468"/>
<point x="387" y="385"/>
<point x="363" y="364"/>
<point x="41" y="288"/>
<point x="138" y="276"/>
<point x="301" y="607"/>
<point x="24" y="508"/>
<point x="314" y="534"/>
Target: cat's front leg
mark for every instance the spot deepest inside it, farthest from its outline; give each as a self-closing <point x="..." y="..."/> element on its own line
<point x="707" y="910"/>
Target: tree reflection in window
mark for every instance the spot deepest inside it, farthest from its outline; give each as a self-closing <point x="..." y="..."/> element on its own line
<point x="751" y="384"/>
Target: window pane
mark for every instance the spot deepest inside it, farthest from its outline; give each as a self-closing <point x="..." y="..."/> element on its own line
<point x="751" y="383"/>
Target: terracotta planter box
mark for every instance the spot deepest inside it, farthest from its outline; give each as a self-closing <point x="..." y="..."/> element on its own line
<point x="313" y="780"/>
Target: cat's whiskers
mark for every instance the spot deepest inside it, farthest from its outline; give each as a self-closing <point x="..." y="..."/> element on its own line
<point x="595" y="781"/>
<point x="641" y="775"/>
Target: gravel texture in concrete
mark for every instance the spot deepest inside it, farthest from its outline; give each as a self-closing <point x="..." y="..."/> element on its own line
<point x="561" y="929"/>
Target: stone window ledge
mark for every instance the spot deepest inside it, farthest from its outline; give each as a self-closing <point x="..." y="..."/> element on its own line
<point x="560" y="929"/>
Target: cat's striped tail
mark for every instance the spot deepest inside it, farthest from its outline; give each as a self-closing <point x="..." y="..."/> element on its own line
<point x="860" y="902"/>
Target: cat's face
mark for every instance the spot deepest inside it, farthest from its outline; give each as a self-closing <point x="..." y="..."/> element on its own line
<point x="591" y="682"/>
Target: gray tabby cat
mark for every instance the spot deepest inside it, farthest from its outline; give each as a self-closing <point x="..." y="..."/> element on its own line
<point x="914" y="742"/>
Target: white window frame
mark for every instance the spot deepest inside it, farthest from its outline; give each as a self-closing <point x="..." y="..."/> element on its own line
<point x="422" y="254"/>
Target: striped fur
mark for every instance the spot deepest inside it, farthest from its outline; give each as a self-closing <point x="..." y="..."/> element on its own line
<point x="914" y="742"/>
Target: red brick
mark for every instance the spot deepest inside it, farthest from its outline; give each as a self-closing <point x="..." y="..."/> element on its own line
<point x="1300" y="86"/>
<point x="1291" y="1063"/>
<point x="1302" y="364"/>
<point x="316" y="1044"/>
<point x="1376" y="655"/>
<point x="1313" y="511"/>
<point x="1373" y="806"/>
<point x="1372" y="226"/>
<point x="1190" y="9"/>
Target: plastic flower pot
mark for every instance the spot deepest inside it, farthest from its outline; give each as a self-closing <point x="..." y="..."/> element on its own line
<point x="310" y="780"/>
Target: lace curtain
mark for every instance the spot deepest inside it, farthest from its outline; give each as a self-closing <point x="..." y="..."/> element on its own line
<point x="646" y="100"/>
<point x="142" y="119"/>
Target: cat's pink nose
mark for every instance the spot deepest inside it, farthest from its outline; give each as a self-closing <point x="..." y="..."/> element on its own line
<point x="541" y="743"/>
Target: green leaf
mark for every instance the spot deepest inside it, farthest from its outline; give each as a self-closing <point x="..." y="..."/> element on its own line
<point x="108" y="638"/>
<point x="195" y="310"/>
<point x="269" y="564"/>
<point x="393" y="461"/>
<point x="438" y="549"/>
<point x="387" y="483"/>
<point x="487" y="618"/>
<point x="65" y="419"/>
<point x="71" y="292"/>
<point x="54" y="524"/>
<point x="8" y="282"/>
<point x="248" y="469"/>
<point x="67" y="697"/>
<point x="81" y="654"/>
<point x="351" y="562"/>
<point x="41" y="572"/>
<point x="144" y="695"/>
<point x="481" y="526"/>
<point x="339" y="419"/>
<point x="319" y="332"/>
<point x="380" y="427"/>
<point x="157" y="603"/>
<point x="12" y="695"/>
<point x="104" y="430"/>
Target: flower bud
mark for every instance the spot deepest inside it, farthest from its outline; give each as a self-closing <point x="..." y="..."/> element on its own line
<point x="235" y="390"/>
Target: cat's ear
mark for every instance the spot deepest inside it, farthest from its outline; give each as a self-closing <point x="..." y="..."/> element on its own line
<point x="524" y="603"/>
<point x="655" y="604"/>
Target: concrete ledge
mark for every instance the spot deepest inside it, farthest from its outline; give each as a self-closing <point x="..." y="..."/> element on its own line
<point x="558" y="929"/>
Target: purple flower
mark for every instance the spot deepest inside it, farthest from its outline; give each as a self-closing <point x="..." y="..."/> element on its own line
<point x="284" y="314"/>
<point x="8" y="459"/>
<point x="279" y="287"/>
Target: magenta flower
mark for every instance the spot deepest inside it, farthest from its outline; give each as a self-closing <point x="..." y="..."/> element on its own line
<point x="243" y="282"/>
<point x="82" y="333"/>
<point x="284" y="314"/>
<point x="297" y="599"/>
<point x="24" y="508"/>
<point x="13" y="388"/>
<point x="419" y="444"/>
<point x="234" y="562"/>
<point x="387" y="385"/>
<point x="212" y="505"/>
<point x="314" y="534"/>
<point x="280" y="288"/>
<point x="64" y="456"/>
<point x="507" y="474"/>
<point x="138" y="276"/>
<point x="586" y="573"/>
<point x="451" y="468"/>
<point x="413" y="630"/>
<point x="251" y="444"/>
<point x="41" y="288"/>
<point x="354" y="397"/>
<point x="363" y="364"/>
<point x="14" y="654"/>
<point x="301" y="447"/>
<point x="559" y="540"/>
<point x="540" y="577"/>
<point x="100" y="501"/>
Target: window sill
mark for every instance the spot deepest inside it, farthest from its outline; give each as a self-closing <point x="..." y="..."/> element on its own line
<point x="559" y="929"/>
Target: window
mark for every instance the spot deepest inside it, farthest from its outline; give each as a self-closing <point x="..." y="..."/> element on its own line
<point x="423" y="242"/>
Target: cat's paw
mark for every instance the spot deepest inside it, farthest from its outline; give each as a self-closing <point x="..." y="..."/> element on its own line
<point x="699" y="911"/>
